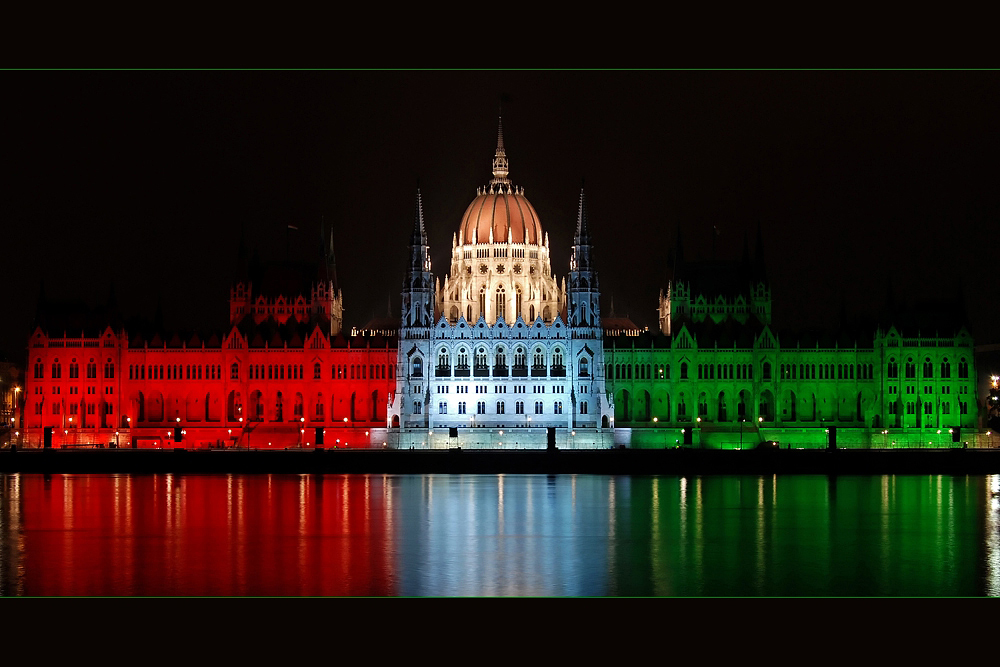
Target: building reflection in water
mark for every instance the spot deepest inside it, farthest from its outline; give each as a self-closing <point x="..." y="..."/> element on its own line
<point x="498" y="535"/>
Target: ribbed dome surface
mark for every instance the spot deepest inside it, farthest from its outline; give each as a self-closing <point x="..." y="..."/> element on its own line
<point x="502" y="212"/>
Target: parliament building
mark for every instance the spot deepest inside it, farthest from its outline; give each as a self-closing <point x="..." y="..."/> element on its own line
<point x="499" y="352"/>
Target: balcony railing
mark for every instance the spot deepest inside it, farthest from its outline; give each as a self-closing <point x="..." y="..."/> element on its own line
<point x="538" y="371"/>
<point x="481" y="371"/>
<point x="442" y="371"/>
<point x="500" y="371"/>
<point x="558" y="371"/>
<point x="461" y="371"/>
<point x="519" y="371"/>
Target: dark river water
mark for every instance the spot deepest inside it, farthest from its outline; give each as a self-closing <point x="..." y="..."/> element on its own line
<point x="504" y="535"/>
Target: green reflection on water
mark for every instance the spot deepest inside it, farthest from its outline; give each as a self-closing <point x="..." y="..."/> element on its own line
<point x="808" y="535"/>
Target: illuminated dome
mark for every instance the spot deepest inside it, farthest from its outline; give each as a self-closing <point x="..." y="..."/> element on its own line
<point x="505" y="211"/>
<point x="501" y="209"/>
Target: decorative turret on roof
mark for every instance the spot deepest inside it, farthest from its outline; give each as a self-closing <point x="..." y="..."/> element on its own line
<point x="500" y="167"/>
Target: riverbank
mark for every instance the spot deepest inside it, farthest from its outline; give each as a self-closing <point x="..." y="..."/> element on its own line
<point x="605" y="462"/>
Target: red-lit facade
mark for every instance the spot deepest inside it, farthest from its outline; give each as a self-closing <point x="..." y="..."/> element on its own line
<point x="280" y="376"/>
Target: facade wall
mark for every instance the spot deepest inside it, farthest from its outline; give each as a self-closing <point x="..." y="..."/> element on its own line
<point x="100" y="390"/>
<point x="899" y="390"/>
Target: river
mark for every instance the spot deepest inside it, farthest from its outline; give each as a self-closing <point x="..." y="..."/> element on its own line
<point x="499" y="535"/>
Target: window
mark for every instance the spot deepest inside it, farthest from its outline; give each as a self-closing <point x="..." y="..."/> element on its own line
<point x="684" y="371"/>
<point x="927" y="408"/>
<point x="463" y="358"/>
<point x="442" y="408"/>
<point x="418" y="367"/>
<point x="946" y="408"/>
<point x="481" y="358"/>
<point x="911" y="369"/>
<point x="583" y="407"/>
<point x="481" y="408"/>
<point x="538" y="407"/>
<point x="74" y="370"/>
<point x="963" y="407"/>
<point x="39" y="369"/>
<point x="461" y="408"/>
<point x="928" y="368"/>
<point x="766" y="370"/>
<point x="443" y="360"/>
<point x="519" y="408"/>
<point x="945" y="369"/>
<point x="520" y="359"/>
<point x="56" y="370"/>
<point x="557" y="408"/>
<point x="317" y="371"/>
<point x="557" y="358"/>
<point x="585" y="368"/>
<point x="500" y="407"/>
<point x="417" y="407"/>
<point x="92" y="370"/>
<point x="501" y="303"/>
<point x="963" y="370"/>
<point x="539" y="358"/>
<point x="910" y="408"/>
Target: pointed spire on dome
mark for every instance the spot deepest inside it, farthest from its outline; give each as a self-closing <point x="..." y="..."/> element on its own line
<point x="419" y="236"/>
<point x="500" y="167"/>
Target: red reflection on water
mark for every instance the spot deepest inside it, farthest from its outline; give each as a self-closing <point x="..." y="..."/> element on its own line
<point x="204" y="535"/>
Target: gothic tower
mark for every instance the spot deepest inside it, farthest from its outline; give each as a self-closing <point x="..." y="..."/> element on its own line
<point x="584" y="312"/>
<point x="418" y="288"/>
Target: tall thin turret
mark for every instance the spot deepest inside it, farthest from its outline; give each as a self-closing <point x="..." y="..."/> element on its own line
<point x="583" y="292"/>
<point x="418" y="289"/>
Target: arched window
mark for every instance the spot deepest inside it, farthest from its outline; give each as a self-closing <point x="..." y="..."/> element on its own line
<point x="443" y="360"/>
<point x="945" y="368"/>
<point x="928" y="368"/>
<point x="234" y="371"/>
<point x="684" y="370"/>
<point x="584" y="368"/>
<point x="418" y="367"/>
<point x="766" y="370"/>
<point x="538" y="360"/>
<point x="517" y="305"/>
<point x="911" y="369"/>
<point x="520" y="360"/>
<point x="501" y="358"/>
<point x="557" y="358"/>
<point x="531" y="313"/>
<point x="463" y="358"/>
<point x="963" y="369"/>
<point x="317" y="371"/>
<point x="501" y="303"/>
<point x="482" y="302"/>
<point x="892" y="370"/>
<point x="481" y="359"/>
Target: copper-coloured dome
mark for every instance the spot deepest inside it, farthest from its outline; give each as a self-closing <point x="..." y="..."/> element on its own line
<point x="501" y="211"/>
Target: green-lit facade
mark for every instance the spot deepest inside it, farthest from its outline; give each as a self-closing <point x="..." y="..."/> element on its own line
<point x="719" y="375"/>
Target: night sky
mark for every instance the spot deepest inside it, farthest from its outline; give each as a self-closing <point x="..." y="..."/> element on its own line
<point x="146" y="179"/>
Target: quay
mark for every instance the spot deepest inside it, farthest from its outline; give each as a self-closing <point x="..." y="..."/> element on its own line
<point x="680" y="461"/>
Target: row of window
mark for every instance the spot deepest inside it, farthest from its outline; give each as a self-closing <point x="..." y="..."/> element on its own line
<point x="557" y="408"/>
<point x="911" y="407"/>
<point x="910" y="369"/>
<point x="74" y="369"/>
<point x="482" y="361"/>
<point x="255" y="371"/>
<point x="77" y="408"/>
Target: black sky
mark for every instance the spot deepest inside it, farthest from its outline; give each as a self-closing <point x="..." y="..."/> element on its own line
<point x="145" y="179"/>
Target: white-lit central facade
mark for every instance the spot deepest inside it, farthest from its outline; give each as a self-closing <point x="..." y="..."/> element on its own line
<point x="501" y="353"/>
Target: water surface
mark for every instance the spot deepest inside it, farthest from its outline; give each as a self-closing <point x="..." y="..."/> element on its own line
<point x="498" y="535"/>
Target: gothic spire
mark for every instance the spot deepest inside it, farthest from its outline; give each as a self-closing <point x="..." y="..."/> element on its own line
<point x="419" y="236"/>
<point x="582" y="229"/>
<point x="500" y="169"/>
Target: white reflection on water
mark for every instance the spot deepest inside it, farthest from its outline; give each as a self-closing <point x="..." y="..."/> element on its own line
<point x="992" y="541"/>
